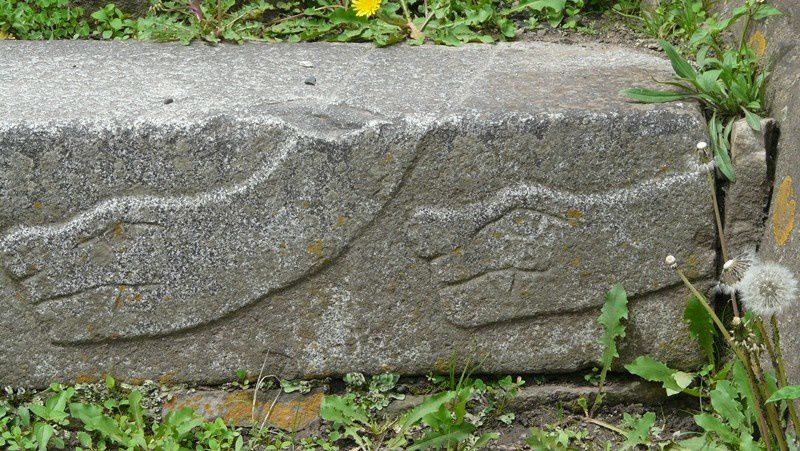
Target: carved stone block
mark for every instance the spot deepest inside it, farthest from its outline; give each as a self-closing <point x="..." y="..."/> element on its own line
<point x="414" y="204"/>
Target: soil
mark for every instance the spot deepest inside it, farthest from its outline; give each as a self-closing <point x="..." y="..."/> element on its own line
<point x="596" y="29"/>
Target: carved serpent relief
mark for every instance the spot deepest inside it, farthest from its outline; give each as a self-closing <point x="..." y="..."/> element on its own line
<point x="518" y="253"/>
<point x="148" y="265"/>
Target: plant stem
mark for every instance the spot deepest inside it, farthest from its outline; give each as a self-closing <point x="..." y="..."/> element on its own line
<point x="757" y="402"/>
<point x="405" y="11"/>
<point x="742" y="356"/>
<point x="608" y="426"/>
<point x="772" y="412"/>
<point x="723" y="244"/>
<point x="780" y="371"/>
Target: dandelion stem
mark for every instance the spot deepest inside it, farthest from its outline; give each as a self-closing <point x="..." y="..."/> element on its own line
<point x="723" y="243"/>
<point x="772" y="412"/>
<point x="742" y="356"/>
<point x="777" y="361"/>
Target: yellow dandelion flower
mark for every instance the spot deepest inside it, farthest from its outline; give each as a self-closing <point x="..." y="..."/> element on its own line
<point x="366" y="8"/>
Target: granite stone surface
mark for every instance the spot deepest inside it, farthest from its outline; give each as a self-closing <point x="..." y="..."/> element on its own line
<point x="184" y="212"/>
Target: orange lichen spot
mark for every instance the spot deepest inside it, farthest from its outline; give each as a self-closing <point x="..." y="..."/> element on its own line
<point x="135" y="381"/>
<point x="117" y="303"/>
<point x="758" y="43"/>
<point x="573" y="215"/>
<point x="783" y="212"/>
<point x="315" y="248"/>
<point x="137" y="297"/>
<point x="166" y="378"/>
<point x="297" y="413"/>
<point x="576" y="262"/>
<point x="37" y="205"/>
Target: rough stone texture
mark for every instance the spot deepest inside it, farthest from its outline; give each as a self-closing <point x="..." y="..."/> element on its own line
<point x="777" y="38"/>
<point x="287" y="411"/>
<point x="417" y="202"/>
<point x="747" y="199"/>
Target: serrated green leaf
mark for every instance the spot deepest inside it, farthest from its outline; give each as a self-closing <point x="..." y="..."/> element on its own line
<point x="614" y="311"/>
<point x="712" y="424"/>
<point x="701" y="326"/>
<point x="723" y="399"/>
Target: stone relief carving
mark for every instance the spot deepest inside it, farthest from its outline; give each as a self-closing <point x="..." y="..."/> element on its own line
<point x="148" y="265"/>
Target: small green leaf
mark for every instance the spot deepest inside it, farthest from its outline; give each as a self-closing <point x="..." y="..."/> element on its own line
<point x="653" y="96"/>
<point x="43" y="432"/>
<point x="654" y="371"/>
<point x="790" y="392"/>
<point x="765" y="10"/>
<point x="681" y="67"/>
<point x="753" y="120"/>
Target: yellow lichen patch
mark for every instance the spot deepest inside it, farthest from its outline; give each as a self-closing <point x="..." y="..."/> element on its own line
<point x="497" y="235"/>
<point x="341" y="220"/>
<point x="86" y="378"/>
<point x="758" y="43"/>
<point x="519" y="220"/>
<point x="458" y="251"/>
<point x="315" y="248"/>
<point x="573" y="215"/>
<point x="37" y="205"/>
<point x="306" y="204"/>
<point x="389" y="158"/>
<point x="118" y="230"/>
<point x="575" y="262"/>
<point x="783" y="212"/>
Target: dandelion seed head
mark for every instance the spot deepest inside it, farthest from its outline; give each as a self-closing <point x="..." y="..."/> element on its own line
<point x="768" y="288"/>
<point x="734" y="269"/>
<point x="702" y="145"/>
<point x="671" y="262"/>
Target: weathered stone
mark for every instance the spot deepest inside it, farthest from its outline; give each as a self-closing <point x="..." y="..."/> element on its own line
<point x="628" y="392"/>
<point x="287" y="411"/>
<point x="415" y="203"/>
<point x="776" y="39"/>
<point x="747" y="199"/>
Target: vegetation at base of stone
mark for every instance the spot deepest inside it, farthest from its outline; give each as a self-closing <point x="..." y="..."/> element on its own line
<point x="728" y="80"/>
<point x="42" y="19"/>
<point x="450" y="22"/>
